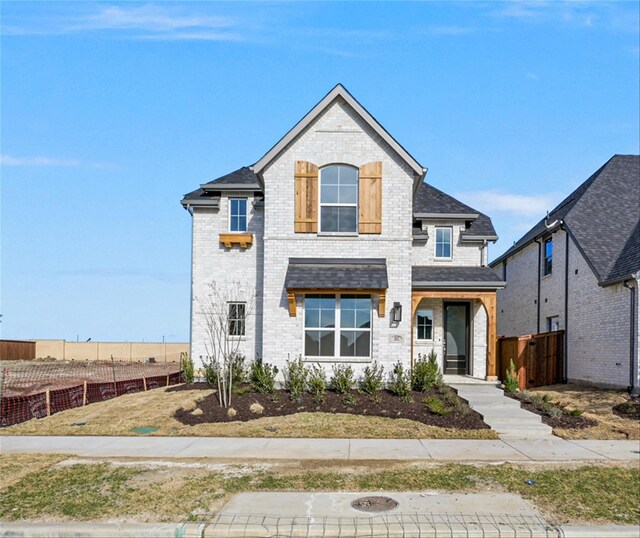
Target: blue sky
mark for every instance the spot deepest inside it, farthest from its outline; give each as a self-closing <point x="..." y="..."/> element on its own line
<point x="111" y="111"/>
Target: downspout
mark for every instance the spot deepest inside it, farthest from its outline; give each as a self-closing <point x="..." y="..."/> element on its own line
<point x="538" y="297"/>
<point x="565" y="362"/>
<point x="632" y="388"/>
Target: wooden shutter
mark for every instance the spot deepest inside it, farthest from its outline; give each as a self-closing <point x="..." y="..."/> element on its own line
<point x="370" y="198"/>
<point x="306" y="204"/>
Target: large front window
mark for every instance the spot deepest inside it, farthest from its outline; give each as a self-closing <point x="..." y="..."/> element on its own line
<point x="339" y="199"/>
<point x="424" y="324"/>
<point x="337" y="326"/>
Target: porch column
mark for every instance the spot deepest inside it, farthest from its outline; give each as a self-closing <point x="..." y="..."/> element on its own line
<point x="489" y="302"/>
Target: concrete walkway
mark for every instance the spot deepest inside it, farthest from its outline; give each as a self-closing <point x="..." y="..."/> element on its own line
<point x="549" y="449"/>
<point x="503" y="414"/>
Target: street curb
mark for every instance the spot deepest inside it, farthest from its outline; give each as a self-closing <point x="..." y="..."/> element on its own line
<point x="603" y="531"/>
<point x="88" y="530"/>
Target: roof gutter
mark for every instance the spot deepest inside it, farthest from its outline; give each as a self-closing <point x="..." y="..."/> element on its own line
<point x="447" y="216"/>
<point x="458" y="285"/>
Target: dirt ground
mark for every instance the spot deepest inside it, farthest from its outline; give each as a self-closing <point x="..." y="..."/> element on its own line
<point x="20" y="378"/>
<point x="596" y="404"/>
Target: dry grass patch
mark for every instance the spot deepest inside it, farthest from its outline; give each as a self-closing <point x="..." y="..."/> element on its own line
<point x="138" y="492"/>
<point x="596" y="404"/>
<point x="14" y="467"/>
<point x="156" y="408"/>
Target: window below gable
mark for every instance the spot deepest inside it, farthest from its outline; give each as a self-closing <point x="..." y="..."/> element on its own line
<point x="443" y="243"/>
<point x="339" y="199"/>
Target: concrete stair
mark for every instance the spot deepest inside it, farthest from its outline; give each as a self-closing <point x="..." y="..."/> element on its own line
<point x="503" y="414"/>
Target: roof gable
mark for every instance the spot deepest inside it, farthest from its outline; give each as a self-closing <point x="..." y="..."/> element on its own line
<point x="338" y="91"/>
<point x="430" y="202"/>
<point x="603" y="216"/>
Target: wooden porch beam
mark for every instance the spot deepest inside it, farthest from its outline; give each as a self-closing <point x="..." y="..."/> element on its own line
<point x="291" y="296"/>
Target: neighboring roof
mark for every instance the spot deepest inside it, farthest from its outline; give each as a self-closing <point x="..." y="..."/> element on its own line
<point x="602" y="215"/>
<point x="208" y="195"/>
<point x="201" y="198"/>
<point x="430" y="202"/>
<point x="337" y="273"/>
<point x="338" y="91"/>
<point x="241" y="179"/>
<point x="424" y="277"/>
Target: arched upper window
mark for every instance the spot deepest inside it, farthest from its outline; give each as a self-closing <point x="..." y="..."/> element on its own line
<point x="339" y="199"/>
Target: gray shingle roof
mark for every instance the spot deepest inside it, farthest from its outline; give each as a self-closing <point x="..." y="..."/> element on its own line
<point x="428" y="199"/>
<point x="243" y="176"/>
<point x="603" y="215"/>
<point x="336" y="273"/>
<point x="454" y="277"/>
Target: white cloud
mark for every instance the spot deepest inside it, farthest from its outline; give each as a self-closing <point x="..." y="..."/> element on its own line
<point x="151" y="22"/>
<point x="492" y="201"/>
<point x="9" y="160"/>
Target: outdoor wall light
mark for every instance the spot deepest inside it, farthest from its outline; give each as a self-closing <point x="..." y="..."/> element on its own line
<point x="396" y="313"/>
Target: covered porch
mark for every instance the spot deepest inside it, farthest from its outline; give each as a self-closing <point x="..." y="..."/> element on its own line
<point x="453" y="313"/>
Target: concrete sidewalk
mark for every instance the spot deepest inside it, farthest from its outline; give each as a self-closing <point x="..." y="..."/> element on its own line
<point x="551" y="449"/>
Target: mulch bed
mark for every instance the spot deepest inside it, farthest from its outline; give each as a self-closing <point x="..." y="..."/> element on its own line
<point x="564" y="421"/>
<point x="389" y="406"/>
<point x="630" y="409"/>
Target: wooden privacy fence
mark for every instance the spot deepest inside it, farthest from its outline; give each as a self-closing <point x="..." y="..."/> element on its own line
<point x="538" y="358"/>
<point x="17" y="350"/>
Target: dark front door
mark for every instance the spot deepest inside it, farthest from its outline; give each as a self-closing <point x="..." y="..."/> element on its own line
<point x="456" y="338"/>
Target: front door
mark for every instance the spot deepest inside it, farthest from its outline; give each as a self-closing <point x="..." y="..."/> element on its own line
<point x="456" y="338"/>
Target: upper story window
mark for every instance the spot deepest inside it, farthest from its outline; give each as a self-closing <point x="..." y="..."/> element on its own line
<point x="548" y="256"/>
<point x="443" y="243"/>
<point x="339" y="199"/>
<point x="237" y="214"/>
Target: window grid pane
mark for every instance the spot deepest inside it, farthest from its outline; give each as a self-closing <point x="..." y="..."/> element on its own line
<point x="238" y="215"/>
<point x="443" y="242"/>
<point x="339" y="199"/>
<point x="424" y="323"/>
<point x="236" y="319"/>
<point x="324" y="312"/>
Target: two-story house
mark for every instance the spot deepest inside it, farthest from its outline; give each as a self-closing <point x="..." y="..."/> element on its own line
<point x="352" y="256"/>
<point x="578" y="270"/>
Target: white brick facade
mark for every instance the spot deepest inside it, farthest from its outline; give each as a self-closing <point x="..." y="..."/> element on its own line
<point x="337" y="135"/>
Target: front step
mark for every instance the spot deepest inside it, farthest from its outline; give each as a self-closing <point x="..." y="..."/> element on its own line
<point x="504" y="415"/>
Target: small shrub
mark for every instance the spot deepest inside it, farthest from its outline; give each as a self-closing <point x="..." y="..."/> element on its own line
<point x="239" y="391"/>
<point x="238" y="368"/>
<point x="210" y="368"/>
<point x="349" y="400"/>
<point x="263" y="376"/>
<point x="554" y="412"/>
<point x="400" y="383"/>
<point x="450" y="396"/>
<point x="187" y="369"/>
<point x="546" y="398"/>
<point x="372" y="379"/>
<point x="256" y="408"/>
<point x="436" y="405"/>
<point x="426" y="372"/>
<point x="574" y="412"/>
<point x="231" y="412"/>
<point x="295" y="378"/>
<point x="511" y="378"/>
<point x="317" y="382"/>
<point x="342" y="381"/>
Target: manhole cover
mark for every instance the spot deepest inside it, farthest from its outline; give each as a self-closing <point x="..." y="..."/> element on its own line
<point x="374" y="504"/>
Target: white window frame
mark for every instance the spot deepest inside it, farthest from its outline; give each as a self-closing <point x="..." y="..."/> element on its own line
<point x="430" y="310"/>
<point x="435" y="243"/>
<point x="243" y="319"/>
<point x="320" y="204"/>
<point x="246" y="216"/>
<point x="336" y="357"/>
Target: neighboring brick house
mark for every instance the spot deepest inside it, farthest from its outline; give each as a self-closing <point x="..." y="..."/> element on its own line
<point x="577" y="270"/>
<point x="353" y="257"/>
